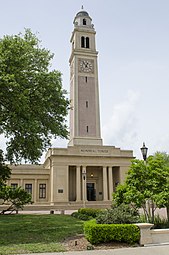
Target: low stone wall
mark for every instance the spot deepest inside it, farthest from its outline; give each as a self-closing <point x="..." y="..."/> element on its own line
<point x="152" y="236"/>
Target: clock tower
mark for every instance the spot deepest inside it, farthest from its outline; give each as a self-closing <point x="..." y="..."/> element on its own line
<point x="84" y="90"/>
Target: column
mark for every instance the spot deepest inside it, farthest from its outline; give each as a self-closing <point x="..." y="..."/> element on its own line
<point x="110" y="182"/>
<point x="35" y="188"/>
<point x="105" y="197"/>
<point x="78" y="184"/>
<point x="51" y="184"/>
<point x="84" y="185"/>
<point x="66" y="188"/>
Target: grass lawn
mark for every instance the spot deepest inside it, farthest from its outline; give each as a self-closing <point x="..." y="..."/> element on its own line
<point x="36" y="233"/>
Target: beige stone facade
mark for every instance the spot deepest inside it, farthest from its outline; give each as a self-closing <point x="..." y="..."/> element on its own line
<point x="86" y="173"/>
<point x="74" y="177"/>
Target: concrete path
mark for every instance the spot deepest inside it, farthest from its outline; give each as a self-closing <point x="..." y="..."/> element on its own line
<point x="150" y="250"/>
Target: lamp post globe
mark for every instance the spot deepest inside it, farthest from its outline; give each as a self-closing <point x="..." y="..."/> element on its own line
<point x="144" y="150"/>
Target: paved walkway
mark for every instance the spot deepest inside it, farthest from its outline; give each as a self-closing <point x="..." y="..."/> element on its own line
<point x="150" y="250"/>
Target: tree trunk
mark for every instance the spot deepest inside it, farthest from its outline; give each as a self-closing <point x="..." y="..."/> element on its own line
<point x="145" y="212"/>
<point x="152" y="211"/>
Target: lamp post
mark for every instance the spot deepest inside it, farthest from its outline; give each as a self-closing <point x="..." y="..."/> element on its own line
<point x="84" y="185"/>
<point x="144" y="150"/>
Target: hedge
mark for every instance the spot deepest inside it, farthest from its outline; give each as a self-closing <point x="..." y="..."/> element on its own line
<point x="103" y="233"/>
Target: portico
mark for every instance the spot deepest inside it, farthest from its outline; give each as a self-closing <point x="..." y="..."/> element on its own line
<point x="90" y="173"/>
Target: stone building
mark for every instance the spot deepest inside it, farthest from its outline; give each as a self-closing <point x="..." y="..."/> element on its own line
<point x="86" y="172"/>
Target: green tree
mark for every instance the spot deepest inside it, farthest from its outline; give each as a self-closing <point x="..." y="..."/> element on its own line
<point x="33" y="104"/>
<point x="162" y="198"/>
<point x="146" y="186"/>
<point x="5" y="171"/>
<point x="135" y="190"/>
<point x="13" y="199"/>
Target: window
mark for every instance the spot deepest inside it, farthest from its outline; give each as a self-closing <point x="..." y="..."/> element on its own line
<point x="87" y="42"/>
<point x="87" y="129"/>
<point x="84" y="21"/>
<point x="60" y="190"/>
<point x="14" y="185"/>
<point x="82" y="42"/>
<point x="28" y="188"/>
<point x="87" y="104"/>
<point x="86" y="79"/>
<point x="42" y="190"/>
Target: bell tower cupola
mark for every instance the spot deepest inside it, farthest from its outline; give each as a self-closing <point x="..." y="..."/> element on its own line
<point x="84" y="89"/>
<point x="83" y="19"/>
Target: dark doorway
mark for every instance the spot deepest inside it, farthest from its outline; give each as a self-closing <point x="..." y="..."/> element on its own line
<point x="91" y="192"/>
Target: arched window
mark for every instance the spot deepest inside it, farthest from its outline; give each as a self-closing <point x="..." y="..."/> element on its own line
<point x="84" y="21"/>
<point x="82" y="42"/>
<point x="87" y="42"/>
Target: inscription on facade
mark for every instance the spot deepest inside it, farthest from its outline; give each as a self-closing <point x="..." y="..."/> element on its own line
<point x="94" y="151"/>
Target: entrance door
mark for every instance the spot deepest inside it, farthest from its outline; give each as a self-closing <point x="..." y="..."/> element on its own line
<point x="91" y="192"/>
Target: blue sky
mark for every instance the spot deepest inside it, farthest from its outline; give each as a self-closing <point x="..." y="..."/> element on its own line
<point x="133" y="43"/>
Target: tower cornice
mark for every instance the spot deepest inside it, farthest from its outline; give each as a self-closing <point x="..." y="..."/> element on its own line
<point x="82" y="30"/>
<point x="83" y="54"/>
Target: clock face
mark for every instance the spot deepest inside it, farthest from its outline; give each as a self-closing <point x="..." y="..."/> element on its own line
<point x="86" y="66"/>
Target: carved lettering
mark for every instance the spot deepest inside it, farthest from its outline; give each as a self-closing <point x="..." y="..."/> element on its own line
<point x="94" y="151"/>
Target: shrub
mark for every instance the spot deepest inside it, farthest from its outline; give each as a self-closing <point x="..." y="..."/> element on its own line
<point x="102" y="233"/>
<point x="86" y="213"/>
<point x="81" y="216"/>
<point x="118" y="215"/>
<point x="90" y="211"/>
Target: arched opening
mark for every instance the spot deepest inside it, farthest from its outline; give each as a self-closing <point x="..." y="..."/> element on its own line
<point x="82" y="42"/>
<point x="84" y="22"/>
<point x="87" y="42"/>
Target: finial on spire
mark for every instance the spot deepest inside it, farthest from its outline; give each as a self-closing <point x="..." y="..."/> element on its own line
<point x="82" y="7"/>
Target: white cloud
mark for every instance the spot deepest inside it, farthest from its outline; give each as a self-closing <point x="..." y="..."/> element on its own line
<point x="121" y="128"/>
